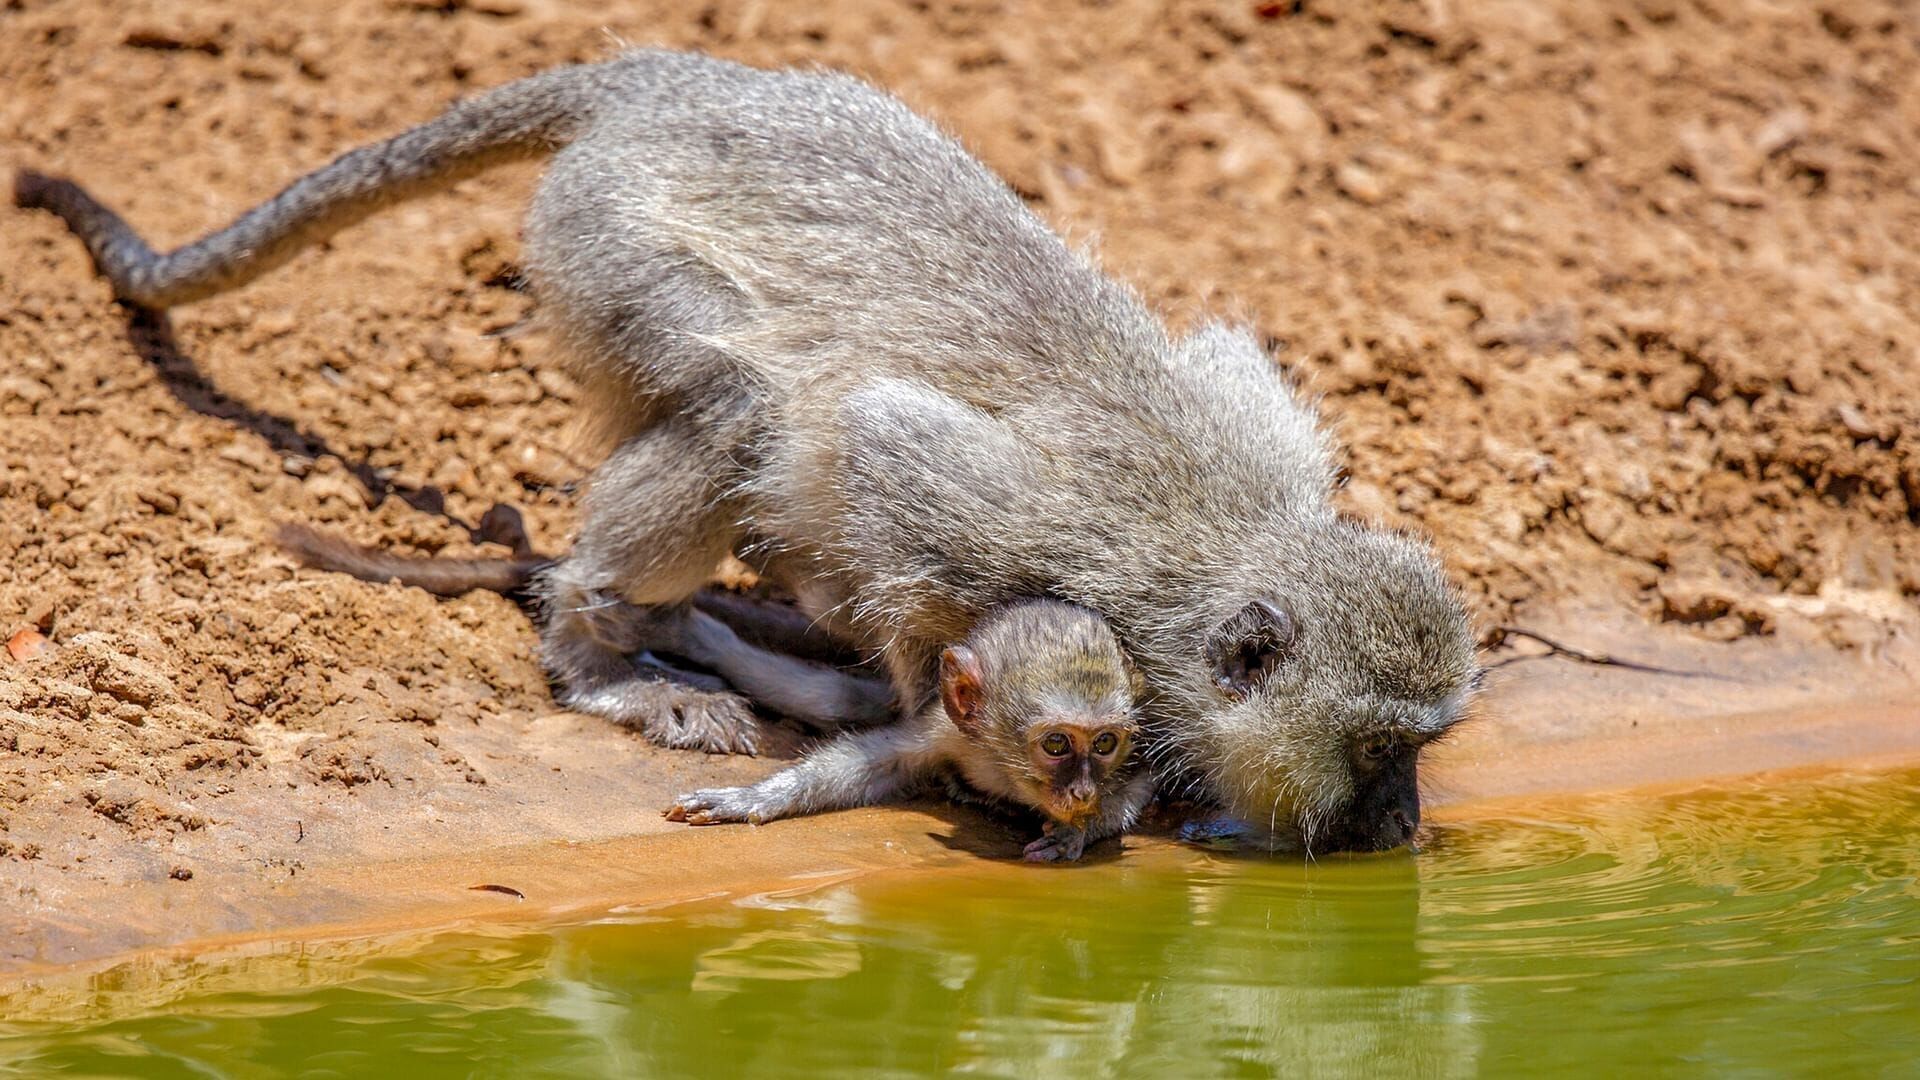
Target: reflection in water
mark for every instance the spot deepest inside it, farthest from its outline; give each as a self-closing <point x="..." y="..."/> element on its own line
<point x="1748" y="928"/>
<point x="773" y="956"/>
<point x="1187" y="967"/>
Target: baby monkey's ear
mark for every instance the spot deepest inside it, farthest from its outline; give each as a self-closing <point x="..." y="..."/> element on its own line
<point x="960" y="687"/>
<point x="1247" y="648"/>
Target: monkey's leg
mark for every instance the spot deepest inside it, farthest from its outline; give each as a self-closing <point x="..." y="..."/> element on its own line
<point x="861" y="769"/>
<point x="773" y="625"/>
<point x="1118" y="811"/>
<point x="791" y="687"/>
<point x="653" y="530"/>
<point x="699" y="680"/>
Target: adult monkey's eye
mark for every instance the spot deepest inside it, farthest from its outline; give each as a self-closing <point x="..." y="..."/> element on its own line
<point x="1056" y="744"/>
<point x="1106" y="743"/>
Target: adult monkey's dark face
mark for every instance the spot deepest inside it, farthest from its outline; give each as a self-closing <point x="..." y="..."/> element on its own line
<point x="1385" y="809"/>
<point x="1380" y="810"/>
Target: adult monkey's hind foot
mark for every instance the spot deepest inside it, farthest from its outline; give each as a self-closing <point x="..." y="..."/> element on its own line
<point x="671" y="713"/>
<point x="588" y="645"/>
<point x="653" y="530"/>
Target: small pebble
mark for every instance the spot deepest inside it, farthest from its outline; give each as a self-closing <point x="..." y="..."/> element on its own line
<point x="1358" y="183"/>
<point x="1856" y="422"/>
<point x="28" y="645"/>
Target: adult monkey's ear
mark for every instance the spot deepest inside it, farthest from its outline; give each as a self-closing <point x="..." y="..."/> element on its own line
<point x="1247" y="648"/>
<point x="1136" y="682"/>
<point x="960" y="687"/>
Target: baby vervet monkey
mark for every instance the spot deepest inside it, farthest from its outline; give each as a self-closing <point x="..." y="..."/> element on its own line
<point x="1036" y="709"/>
<point x="818" y="334"/>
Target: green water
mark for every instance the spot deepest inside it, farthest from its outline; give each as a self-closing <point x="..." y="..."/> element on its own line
<point x="1747" y="930"/>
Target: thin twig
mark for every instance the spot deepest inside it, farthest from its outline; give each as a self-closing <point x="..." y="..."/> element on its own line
<point x="1568" y="652"/>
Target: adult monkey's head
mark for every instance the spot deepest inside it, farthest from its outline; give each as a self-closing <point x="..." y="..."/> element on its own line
<point x="1339" y="666"/>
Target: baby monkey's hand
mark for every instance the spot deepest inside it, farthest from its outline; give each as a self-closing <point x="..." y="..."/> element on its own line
<point x="717" y="806"/>
<point x="1062" y="843"/>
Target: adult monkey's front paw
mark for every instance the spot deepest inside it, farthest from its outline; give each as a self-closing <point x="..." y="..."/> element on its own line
<point x="1221" y="832"/>
<point x="1226" y="833"/>
<point x="1062" y="843"/>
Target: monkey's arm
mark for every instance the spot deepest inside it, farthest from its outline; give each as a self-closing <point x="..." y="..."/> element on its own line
<point x="957" y="512"/>
<point x="1119" y="809"/>
<point x="856" y="770"/>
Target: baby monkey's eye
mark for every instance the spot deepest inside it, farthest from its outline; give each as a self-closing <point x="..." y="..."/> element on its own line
<point x="1056" y="744"/>
<point x="1377" y="748"/>
<point x="1106" y="743"/>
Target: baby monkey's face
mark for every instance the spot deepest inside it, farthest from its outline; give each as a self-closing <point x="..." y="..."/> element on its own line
<point x="1071" y="759"/>
<point x="1044" y="692"/>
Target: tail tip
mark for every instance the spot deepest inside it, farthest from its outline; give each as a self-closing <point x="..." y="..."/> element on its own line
<point x="300" y="541"/>
<point x="32" y="189"/>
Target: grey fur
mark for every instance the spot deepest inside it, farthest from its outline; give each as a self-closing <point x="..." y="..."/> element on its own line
<point x="823" y="336"/>
<point x="1040" y="660"/>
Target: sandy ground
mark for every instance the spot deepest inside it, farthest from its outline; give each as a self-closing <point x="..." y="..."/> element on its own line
<point x="1617" y="301"/>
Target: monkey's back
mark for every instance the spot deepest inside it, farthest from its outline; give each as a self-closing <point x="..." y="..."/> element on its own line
<point x="721" y="239"/>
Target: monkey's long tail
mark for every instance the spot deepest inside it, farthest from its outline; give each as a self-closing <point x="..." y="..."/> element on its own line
<point x="443" y="577"/>
<point x="533" y="116"/>
<point x="763" y="622"/>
